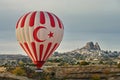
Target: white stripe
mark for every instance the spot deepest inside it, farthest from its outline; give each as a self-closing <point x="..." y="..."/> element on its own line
<point x="30" y="35"/>
<point x="20" y="37"/>
<point x="27" y="36"/>
<point x="37" y="20"/>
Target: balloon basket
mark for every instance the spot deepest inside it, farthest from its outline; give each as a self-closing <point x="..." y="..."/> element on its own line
<point x="38" y="70"/>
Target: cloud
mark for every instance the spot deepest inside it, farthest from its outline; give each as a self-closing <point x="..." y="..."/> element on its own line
<point x="93" y="24"/>
<point x="63" y="6"/>
<point x="84" y="20"/>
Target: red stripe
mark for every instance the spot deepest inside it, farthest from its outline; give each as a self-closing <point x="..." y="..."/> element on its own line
<point x="23" y="20"/>
<point x="53" y="49"/>
<point x="23" y="47"/>
<point x="29" y="52"/>
<point x="34" y="50"/>
<point x="52" y="22"/>
<point x="41" y="50"/>
<point x="47" y="50"/>
<point x="32" y="19"/>
<point x="18" y="22"/>
<point x="42" y="18"/>
<point x="59" y="22"/>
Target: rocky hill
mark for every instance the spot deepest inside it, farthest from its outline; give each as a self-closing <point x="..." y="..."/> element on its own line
<point x="89" y="52"/>
<point x="92" y="51"/>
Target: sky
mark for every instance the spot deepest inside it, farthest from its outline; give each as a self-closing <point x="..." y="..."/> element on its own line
<point x="84" y="21"/>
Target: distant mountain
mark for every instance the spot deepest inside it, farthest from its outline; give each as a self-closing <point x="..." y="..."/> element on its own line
<point x="12" y="56"/>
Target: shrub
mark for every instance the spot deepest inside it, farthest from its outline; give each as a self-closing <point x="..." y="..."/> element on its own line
<point x="118" y="65"/>
<point x="95" y="77"/>
<point x="106" y="71"/>
<point x="19" y="71"/>
<point x="84" y="63"/>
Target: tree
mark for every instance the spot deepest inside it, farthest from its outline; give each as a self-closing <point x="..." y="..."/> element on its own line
<point x="84" y="63"/>
<point x="118" y="65"/>
<point x="95" y="77"/>
<point x="21" y="63"/>
<point x="19" y="71"/>
<point x="101" y="62"/>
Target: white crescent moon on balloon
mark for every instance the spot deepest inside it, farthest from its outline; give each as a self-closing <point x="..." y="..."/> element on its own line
<point x="35" y="33"/>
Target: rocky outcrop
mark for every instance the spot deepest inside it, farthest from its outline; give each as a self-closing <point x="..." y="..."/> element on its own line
<point x="96" y="46"/>
<point x="91" y="46"/>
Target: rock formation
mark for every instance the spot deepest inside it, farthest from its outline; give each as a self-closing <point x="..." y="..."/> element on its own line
<point x="96" y="46"/>
<point x="91" y="46"/>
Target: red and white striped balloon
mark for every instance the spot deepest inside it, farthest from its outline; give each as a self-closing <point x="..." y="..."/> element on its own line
<point x="39" y="34"/>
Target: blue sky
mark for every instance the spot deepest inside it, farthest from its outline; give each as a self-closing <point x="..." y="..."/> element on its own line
<point x="84" y="20"/>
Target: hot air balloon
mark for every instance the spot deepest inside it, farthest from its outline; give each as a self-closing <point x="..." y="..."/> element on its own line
<point x="39" y="33"/>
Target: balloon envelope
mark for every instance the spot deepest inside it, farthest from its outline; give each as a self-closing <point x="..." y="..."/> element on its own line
<point x="39" y="34"/>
